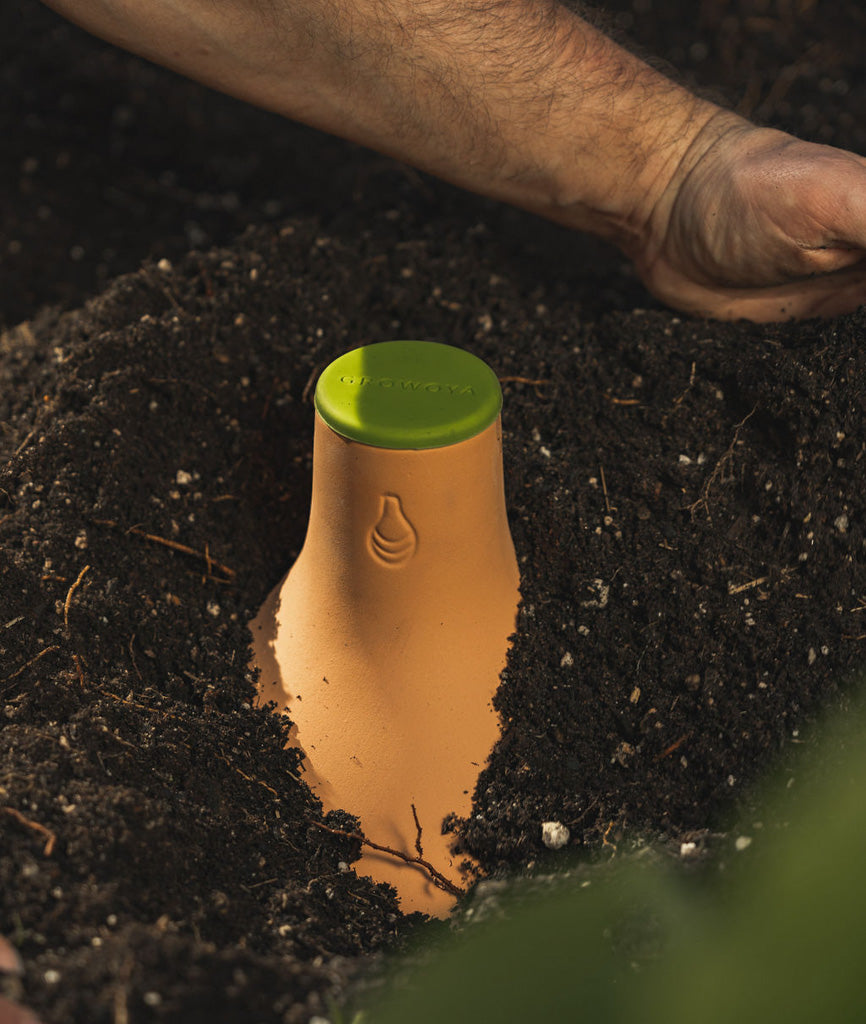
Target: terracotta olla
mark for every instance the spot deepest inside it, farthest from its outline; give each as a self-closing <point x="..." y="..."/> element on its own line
<point x="385" y="641"/>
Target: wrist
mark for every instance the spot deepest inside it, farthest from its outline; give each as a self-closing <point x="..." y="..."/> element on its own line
<point x="687" y="171"/>
<point x="634" y="138"/>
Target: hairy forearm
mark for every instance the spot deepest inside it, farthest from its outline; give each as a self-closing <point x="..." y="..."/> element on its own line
<point x="517" y="99"/>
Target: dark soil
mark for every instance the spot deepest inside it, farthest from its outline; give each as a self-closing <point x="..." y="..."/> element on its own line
<point x="686" y="499"/>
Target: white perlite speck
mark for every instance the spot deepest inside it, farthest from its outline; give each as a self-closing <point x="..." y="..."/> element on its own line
<point x="742" y="843"/>
<point x="554" y="835"/>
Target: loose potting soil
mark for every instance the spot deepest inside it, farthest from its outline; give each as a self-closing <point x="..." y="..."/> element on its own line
<point x="686" y="500"/>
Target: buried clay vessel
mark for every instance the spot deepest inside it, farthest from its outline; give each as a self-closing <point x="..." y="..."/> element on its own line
<point x="385" y="641"/>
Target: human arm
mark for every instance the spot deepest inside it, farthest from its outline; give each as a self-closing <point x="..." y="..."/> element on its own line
<point x="522" y="100"/>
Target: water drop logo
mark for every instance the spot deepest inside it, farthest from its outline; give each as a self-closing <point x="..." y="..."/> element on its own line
<point x="393" y="539"/>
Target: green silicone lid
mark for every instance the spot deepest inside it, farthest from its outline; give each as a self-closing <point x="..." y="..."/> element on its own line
<point x="408" y="394"/>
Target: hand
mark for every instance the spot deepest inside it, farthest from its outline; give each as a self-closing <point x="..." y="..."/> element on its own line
<point x="757" y="224"/>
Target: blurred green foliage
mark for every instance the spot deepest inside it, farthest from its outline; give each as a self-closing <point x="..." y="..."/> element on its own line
<point x="777" y="932"/>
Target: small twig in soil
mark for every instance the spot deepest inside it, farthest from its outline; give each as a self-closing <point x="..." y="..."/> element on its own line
<point x="139" y="705"/>
<point x="50" y="837"/>
<point x="438" y="879"/>
<point x="786" y="574"/>
<point x="249" y="778"/>
<point x="718" y="469"/>
<point x="132" y="658"/>
<point x="610" y="508"/>
<point x="679" y="400"/>
<point x="604" y="839"/>
<point x="523" y="380"/>
<point x="746" y="586"/>
<point x="258" y="885"/>
<point x="418" y="847"/>
<point x="41" y="654"/>
<point x="66" y="605"/>
<point x="69" y="594"/>
<point x="536" y="384"/>
<point x="23" y="444"/>
<point x="308" y="387"/>
<point x="674" y="746"/>
<point x="584" y="812"/>
<point x="621" y="401"/>
<point x="211" y="563"/>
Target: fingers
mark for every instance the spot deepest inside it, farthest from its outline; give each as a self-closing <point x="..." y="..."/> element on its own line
<point x="793" y="247"/>
<point x="801" y="210"/>
<point x="843" y="200"/>
<point x="829" y="259"/>
<point x="822" y="296"/>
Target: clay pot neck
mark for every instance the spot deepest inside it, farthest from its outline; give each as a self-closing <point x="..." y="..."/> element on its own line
<point x="396" y="525"/>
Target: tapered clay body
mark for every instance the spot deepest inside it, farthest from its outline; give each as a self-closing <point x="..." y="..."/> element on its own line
<point x="386" y="640"/>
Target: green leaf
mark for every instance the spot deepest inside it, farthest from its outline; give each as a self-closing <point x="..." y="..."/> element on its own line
<point x="778" y="935"/>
